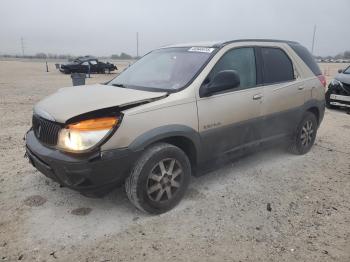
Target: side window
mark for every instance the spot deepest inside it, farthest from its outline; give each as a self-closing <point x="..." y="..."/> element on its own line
<point x="93" y="62"/>
<point x="308" y="59"/>
<point x="85" y="63"/>
<point x="277" y="66"/>
<point x="243" y="61"/>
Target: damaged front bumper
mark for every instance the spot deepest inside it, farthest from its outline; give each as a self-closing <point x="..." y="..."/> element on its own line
<point x="91" y="174"/>
<point x="340" y="100"/>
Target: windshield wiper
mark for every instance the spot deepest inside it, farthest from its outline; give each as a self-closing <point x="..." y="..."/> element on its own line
<point x="119" y="85"/>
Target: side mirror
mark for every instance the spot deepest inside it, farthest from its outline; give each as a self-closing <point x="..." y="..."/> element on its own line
<point x="340" y="71"/>
<point x="224" y="80"/>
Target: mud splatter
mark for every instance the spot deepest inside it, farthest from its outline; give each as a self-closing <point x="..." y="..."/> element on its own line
<point x="81" y="211"/>
<point x="194" y="194"/>
<point x="35" y="201"/>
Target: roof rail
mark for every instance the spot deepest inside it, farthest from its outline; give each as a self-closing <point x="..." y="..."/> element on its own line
<point x="254" y="40"/>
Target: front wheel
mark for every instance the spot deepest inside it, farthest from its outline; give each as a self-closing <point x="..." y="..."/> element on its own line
<point x="159" y="179"/>
<point x="305" y="135"/>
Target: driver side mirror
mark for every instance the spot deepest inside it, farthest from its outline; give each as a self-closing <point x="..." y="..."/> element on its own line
<point x="340" y="71"/>
<point x="224" y="80"/>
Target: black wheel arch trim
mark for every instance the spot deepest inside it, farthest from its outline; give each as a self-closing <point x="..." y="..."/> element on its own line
<point x="165" y="132"/>
<point x="319" y="105"/>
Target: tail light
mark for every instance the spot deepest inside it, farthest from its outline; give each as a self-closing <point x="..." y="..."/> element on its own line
<point x="322" y="79"/>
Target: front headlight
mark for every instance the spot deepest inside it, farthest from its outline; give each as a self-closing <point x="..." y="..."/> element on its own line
<point x="336" y="82"/>
<point x="85" y="134"/>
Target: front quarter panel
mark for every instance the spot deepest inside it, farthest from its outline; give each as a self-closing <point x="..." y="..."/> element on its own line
<point x="136" y="123"/>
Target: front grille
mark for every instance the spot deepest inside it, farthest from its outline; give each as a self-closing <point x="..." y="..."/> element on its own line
<point x="346" y="87"/>
<point x="46" y="131"/>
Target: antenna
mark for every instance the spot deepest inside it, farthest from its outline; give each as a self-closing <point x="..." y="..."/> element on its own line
<point x="137" y="44"/>
<point x="313" y="40"/>
<point x="22" y="46"/>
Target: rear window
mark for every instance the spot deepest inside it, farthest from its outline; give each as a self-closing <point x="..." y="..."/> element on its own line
<point x="308" y="59"/>
<point x="277" y="66"/>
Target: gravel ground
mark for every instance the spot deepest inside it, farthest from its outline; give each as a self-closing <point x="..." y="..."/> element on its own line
<point x="268" y="206"/>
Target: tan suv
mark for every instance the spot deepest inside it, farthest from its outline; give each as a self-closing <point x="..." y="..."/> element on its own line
<point x="175" y="109"/>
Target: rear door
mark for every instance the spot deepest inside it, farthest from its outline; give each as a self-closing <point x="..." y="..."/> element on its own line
<point x="84" y="67"/>
<point x="228" y="120"/>
<point x="284" y="92"/>
<point x="94" y="66"/>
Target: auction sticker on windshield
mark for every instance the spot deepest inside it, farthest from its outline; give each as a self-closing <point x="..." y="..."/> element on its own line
<point x="201" y="49"/>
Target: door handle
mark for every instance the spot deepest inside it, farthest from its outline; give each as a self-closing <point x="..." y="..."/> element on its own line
<point x="300" y="87"/>
<point x="257" y="96"/>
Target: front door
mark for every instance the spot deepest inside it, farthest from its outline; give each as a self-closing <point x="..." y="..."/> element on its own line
<point x="229" y="120"/>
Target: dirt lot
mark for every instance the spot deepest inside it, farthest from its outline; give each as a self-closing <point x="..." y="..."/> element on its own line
<point x="224" y="216"/>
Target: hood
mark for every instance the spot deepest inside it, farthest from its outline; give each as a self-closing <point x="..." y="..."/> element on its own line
<point x="344" y="78"/>
<point x="73" y="101"/>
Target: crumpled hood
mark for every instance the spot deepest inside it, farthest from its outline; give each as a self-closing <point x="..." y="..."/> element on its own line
<point x="73" y="101"/>
<point x="344" y="78"/>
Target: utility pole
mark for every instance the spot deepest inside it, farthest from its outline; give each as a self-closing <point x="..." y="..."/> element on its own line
<point x="313" y="41"/>
<point x="22" y="46"/>
<point x="137" y="44"/>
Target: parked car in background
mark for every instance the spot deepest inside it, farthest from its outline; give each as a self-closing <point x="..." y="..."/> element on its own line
<point x="178" y="108"/>
<point x="338" y="93"/>
<point x="86" y="64"/>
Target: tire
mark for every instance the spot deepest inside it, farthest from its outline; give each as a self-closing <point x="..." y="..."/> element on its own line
<point x="305" y="135"/>
<point x="153" y="186"/>
<point x="328" y="100"/>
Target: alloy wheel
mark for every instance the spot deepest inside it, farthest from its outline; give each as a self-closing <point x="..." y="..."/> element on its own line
<point x="307" y="134"/>
<point x="164" y="180"/>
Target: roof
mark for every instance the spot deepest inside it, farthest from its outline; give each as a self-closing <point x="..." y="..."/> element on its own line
<point x="85" y="58"/>
<point x="199" y="44"/>
<point x="223" y="43"/>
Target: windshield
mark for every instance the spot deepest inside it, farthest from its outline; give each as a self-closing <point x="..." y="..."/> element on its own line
<point x="347" y="71"/>
<point x="166" y="69"/>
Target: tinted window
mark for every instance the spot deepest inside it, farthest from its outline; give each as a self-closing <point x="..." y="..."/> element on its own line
<point x="241" y="60"/>
<point x="277" y="67"/>
<point x="305" y="55"/>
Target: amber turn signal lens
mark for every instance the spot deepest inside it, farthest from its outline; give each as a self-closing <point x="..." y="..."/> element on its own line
<point x="96" y="124"/>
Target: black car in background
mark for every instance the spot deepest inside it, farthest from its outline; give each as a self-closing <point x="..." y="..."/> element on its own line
<point x="86" y="64"/>
<point x="338" y="93"/>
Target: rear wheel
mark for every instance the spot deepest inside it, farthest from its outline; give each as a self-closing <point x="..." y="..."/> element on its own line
<point x="159" y="178"/>
<point x="305" y="135"/>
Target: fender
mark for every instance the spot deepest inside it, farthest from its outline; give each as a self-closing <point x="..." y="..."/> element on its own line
<point x="168" y="131"/>
<point x="313" y="103"/>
